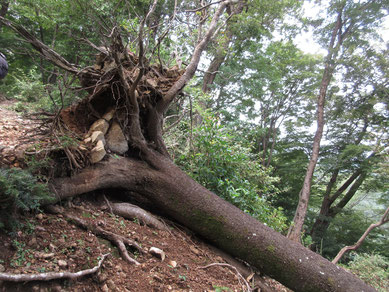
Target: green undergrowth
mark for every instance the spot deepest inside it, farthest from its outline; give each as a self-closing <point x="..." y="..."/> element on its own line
<point x="223" y="162"/>
<point x="20" y="190"/>
<point x="371" y="268"/>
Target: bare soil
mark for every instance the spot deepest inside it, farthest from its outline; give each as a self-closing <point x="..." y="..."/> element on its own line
<point x="46" y="239"/>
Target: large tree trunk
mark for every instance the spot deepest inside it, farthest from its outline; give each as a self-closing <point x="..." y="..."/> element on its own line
<point x="335" y="44"/>
<point x="328" y="211"/>
<point x="129" y="86"/>
<point x="218" y="221"/>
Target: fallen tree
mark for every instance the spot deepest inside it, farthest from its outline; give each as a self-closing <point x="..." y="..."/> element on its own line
<point x="126" y="90"/>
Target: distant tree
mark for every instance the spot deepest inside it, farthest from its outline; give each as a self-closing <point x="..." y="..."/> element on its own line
<point x="352" y="25"/>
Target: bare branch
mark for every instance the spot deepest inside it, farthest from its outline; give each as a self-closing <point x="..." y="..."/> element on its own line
<point x="384" y="219"/>
<point x="48" y="53"/>
<point x="191" y="69"/>
<point x="52" y="275"/>
<point x="240" y="277"/>
<point x="203" y="7"/>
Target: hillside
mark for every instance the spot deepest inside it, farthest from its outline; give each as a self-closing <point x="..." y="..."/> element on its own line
<point x="48" y="242"/>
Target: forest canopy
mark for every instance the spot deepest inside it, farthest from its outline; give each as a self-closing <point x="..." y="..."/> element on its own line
<point x="200" y="98"/>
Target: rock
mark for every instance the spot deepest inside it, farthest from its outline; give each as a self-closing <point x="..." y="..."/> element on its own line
<point x="99" y="125"/>
<point x="2" y="268"/>
<point x="194" y="250"/>
<point x="109" y="114"/>
<point x="97" y="136"/>
<point x="105" y="288"/>
<point x="102" y="277"/>
<point x="173" y="263"/>
<point x="158" y="253"/>
<point x="33" y="242"/>
<point x="62" y="264"/>
<point x="116" y="140"/>
<point x="111" y="285"/>
<point x="98" y="152"/>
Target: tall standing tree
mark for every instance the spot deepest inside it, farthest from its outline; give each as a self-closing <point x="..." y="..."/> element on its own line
<point x="134" y="92"/>
<point x="353" y="21"/>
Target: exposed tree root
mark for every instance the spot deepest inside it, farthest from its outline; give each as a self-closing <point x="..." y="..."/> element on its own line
<point x="52" y="275"/>
<point x="130" y="211"/>
<point x="119" y="241"/>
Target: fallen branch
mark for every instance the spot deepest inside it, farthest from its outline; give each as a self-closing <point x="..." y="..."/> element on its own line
<point x="233" y="268"/>
<point x="384" y="219"/>
<point x="251" y="276"/>
<point x="120" y="241"/>
<point x="52" y="275"/>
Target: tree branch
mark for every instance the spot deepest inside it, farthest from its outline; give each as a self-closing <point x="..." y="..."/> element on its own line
<point x="191" y="69"/>
<point x="384" y="219"/>
<point x="52" y="275"/>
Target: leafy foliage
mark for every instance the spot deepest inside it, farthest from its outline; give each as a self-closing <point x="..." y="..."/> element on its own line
<point x="32" y="94"/>
<point x="222" y="163"/>
<point x="371" y="268"/>
<point x="19" y="190"/>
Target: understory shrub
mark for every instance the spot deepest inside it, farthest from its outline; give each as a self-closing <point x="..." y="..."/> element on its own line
<point x="19" y="190"/>
<point x="31" y="94"/>
<point x="221" y="162"/>
<point x="371" y="268"/>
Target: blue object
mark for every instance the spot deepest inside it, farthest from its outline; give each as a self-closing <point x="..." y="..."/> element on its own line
<point x="3" y="66"/>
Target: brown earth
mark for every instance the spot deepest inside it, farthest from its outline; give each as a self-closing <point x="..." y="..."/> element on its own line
<point x="46" y="239"/>
<point x="50" y="243"/>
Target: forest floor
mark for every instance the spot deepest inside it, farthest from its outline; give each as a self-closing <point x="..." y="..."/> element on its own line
<point x="50" y="243"/>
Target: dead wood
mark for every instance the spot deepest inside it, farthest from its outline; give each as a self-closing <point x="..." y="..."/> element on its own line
<point x="130" y="211"/>
<point x="52" y="275"/>
<point x="245" y="285"/>
<point x="147" y="169"/>
<point x="119" y="241"/>
<point x="384" y="219"/>
<point x="224" y="225"/>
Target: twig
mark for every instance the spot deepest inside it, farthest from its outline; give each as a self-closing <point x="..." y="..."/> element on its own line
<point x="203" y="7"/>
<point x="108" y="204"/>
<point x="52" y="275"/>
<point x="233" y="268"/>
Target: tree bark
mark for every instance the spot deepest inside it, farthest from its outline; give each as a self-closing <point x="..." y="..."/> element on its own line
<point x="218" y="221"/>
<point x="327" y="210"/>
<point x="4" y="8"/>
<point x="336" y="41"/>
<point x="148" y="170"/>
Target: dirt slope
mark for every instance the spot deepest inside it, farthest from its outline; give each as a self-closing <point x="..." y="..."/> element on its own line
<point x="51" y="243"/>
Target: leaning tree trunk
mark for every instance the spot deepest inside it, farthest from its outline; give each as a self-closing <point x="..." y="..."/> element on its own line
<point x="218" y="221"/>
<point x="140" y="94"/>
